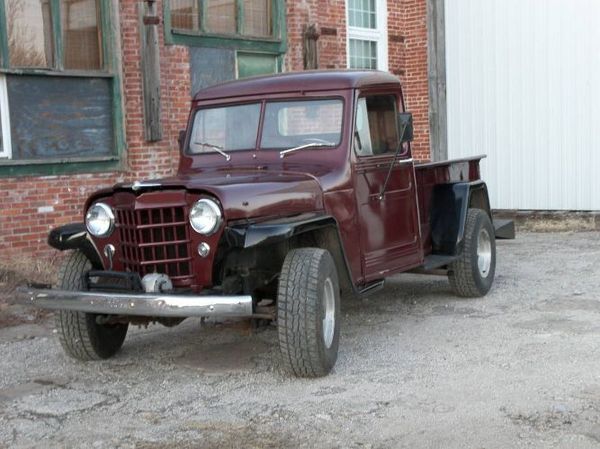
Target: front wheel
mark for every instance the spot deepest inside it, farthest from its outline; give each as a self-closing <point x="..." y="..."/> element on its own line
<point x="472" y="274"/>
<point x="80" y="334"/>
<point x="308" y="312"/>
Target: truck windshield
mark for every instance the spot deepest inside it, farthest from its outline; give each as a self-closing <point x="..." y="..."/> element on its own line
<point x="287" y="125"/>
<point x="225" y="128"/>
<point x="291" y="124"/>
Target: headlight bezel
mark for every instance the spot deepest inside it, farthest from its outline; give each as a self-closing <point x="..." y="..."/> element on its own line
<point x="218" y="216"/>
<point x="109" y="213"/>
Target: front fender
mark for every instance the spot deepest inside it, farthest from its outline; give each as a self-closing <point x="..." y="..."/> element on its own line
<point x="75" y="236"/>
<point x="323" y="229"/>
<point x="275" y="231"/>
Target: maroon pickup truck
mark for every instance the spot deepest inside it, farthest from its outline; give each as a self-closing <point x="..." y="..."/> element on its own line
<point x="292" y="190"/>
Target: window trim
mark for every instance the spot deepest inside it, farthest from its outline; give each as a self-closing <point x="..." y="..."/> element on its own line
<point x="277" y="43"/>
<point x="378" y="34"/>
<point x="109" y="23"/>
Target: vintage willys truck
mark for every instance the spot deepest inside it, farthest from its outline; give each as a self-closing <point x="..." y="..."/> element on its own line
<point x="291" y="191"/>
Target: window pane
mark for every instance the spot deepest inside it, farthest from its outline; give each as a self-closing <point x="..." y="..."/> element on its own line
<point x="257" y="17"/>
<point x="362" y="142"/>
<point x="383" y="123"/>
<point x="29" y="33"/>
<point x="185" y="14"/>
<point x="253" y="64"/>
<point x="363" y="54"/>
<point x="293" y="123"/>
<point x="229" y="128"/>
<point x="221" y="16"/>
<point x="362" y="13"/>
<point x="81" y="35"/>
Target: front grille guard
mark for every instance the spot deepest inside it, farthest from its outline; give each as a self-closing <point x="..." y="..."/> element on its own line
<point x="156" y="240"/>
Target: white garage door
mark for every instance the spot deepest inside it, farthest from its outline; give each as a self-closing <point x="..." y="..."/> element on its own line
<point x="523" y="80"/>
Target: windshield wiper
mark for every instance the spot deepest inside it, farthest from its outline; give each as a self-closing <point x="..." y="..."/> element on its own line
<point x="219" y="149"/>
<point x="307" y="145"/>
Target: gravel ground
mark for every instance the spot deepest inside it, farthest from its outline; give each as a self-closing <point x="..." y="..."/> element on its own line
<point x="418" y="368"/>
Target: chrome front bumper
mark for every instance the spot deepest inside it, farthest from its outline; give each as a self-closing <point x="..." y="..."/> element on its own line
<point x="140" y="304"/>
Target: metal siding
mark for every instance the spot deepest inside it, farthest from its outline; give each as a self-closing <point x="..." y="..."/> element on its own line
<point x="522" y="87"/>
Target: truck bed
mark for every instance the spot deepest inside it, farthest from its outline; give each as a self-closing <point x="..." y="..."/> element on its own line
<point x="430" y="174"/>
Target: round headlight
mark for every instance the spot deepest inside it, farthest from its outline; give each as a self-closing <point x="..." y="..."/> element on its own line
<point x="100" y="220"/>
<point x="205" y="216"/>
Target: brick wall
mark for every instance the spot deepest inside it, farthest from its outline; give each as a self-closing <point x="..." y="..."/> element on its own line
<point x="330" y="18"/>
<point x="30" y="206"/>
<point x="408" y="59"/>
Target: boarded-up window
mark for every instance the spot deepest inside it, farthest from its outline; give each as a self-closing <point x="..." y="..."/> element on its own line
<point x="60" y="113"/>
<point x="55" y="117"/>
<point x="30" y="38"/>
<point x="81" y="36"/>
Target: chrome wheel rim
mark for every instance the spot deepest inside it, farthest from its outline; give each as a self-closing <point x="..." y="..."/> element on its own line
<point x="329" y="315"/>
<point x="484" y="252"/>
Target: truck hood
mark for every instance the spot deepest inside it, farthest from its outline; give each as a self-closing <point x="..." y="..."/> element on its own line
<point x="243" y="193"/>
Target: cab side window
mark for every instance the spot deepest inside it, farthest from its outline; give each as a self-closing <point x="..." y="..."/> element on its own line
<point x="376" y="125"/>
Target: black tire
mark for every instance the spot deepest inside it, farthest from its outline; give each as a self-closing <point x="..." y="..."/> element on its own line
<point x="472" y="274"/>
<point x="80" y="335"/>
<point x="308" y="279"/>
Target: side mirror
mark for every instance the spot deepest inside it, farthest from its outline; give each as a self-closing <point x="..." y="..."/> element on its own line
<point x="405" y="122"/>
<point x="181" y="139"/>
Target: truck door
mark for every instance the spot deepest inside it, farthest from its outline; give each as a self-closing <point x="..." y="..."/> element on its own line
<point x="389" y="224"/>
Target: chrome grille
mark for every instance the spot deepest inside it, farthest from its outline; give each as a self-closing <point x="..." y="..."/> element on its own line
<point x="155" y="240"/>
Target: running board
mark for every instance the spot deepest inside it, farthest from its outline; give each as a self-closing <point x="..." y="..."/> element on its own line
<point x="370" y="288"/>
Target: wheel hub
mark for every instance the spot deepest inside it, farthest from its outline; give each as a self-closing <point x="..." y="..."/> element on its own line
<point x="484" y="252"/>
<point x="329" y="315"/>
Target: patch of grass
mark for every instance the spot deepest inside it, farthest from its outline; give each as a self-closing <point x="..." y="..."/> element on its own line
<point x="17" y="271"/>
<point x="20" y="270"/>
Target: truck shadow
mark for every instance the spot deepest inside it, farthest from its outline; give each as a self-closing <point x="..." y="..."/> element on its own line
<point x="235" y="348"/>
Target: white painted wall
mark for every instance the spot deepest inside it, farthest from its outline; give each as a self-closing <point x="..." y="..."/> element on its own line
<point x="523" y="80"/>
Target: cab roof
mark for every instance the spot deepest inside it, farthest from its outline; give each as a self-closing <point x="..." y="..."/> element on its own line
<point x="311" y="80"/>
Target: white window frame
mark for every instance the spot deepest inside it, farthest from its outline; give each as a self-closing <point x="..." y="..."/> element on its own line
<point x="6" y="150"/>
<point x="378" y="35"/>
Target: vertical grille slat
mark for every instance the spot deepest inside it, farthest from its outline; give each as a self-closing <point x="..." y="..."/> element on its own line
<point x="155" y="240"/>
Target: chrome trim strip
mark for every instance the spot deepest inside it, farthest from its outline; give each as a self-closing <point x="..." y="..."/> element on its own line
<point x="140" y="304"/>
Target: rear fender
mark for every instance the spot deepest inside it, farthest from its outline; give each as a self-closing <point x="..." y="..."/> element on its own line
<point x="74" y="236"/>
<point x="449" y="206"/>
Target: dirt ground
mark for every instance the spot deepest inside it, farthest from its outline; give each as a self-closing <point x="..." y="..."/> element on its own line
<point x="418" y="368"/>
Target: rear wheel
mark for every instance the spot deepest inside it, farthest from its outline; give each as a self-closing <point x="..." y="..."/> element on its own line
<point x="80" y="334"/>
<point x="472" y="274"/>
<point x="308" y="312"/>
